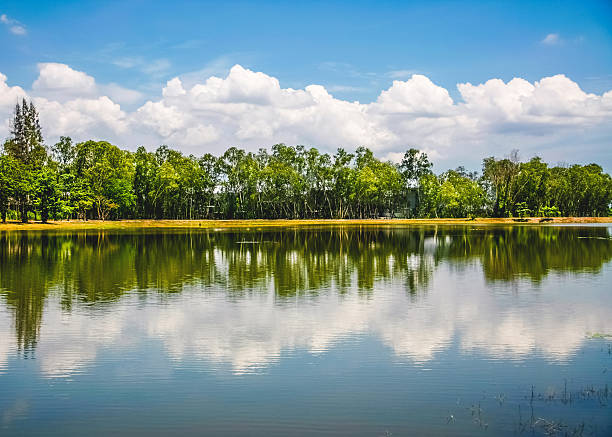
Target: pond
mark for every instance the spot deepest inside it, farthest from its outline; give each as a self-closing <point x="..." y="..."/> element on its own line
<point x="432" y="330"/>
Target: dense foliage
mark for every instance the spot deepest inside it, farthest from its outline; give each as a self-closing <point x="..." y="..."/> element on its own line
<point x="95" y="179"/>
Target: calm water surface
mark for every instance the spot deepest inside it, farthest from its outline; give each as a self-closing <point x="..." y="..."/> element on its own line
<point x="340" y="331"/>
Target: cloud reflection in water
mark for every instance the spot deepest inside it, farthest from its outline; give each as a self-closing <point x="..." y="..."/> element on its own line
<point x="503" y="293"/>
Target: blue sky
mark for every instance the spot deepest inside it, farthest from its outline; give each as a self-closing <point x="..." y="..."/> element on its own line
<point x="345" y="44"/>
<point x="354" y="49"/>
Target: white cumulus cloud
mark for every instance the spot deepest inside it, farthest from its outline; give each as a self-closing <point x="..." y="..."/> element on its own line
<point x="54" y="78"/>
<point x="61" y="83"/>
<point x="250" y="109"/>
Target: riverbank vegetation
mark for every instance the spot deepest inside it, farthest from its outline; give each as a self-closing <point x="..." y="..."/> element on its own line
<point x="98" y="180"/>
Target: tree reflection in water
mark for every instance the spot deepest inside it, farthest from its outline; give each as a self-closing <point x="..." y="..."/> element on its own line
<point x="97" y="268"/>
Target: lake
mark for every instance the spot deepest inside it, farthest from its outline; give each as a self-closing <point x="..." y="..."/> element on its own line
<point x="373" y="331"/>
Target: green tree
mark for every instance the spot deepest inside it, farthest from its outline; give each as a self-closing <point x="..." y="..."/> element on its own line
<point x="64" y="153"/>
<point x="8" y="172"/>
<point x="106" y="174"/>
<point x="460" y="195"/>
<point x="430" y="204"/>
<point x="530" y="186"/>
<point x="47" y="195"/>
<point x="26" y="134"/>
<point x="26" y="147"/>
<point x="414" y="166"/>
<point x="145" y="173"/>
<point x="499" y="176"/>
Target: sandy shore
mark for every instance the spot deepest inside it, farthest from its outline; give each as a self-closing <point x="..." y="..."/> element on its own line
<point x="136" y="224"/>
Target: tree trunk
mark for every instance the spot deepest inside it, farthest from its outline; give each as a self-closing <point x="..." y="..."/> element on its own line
<point x="24" y="213"/>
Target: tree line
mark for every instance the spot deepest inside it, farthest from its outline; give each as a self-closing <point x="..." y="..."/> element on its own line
<point x="98" y="180"/>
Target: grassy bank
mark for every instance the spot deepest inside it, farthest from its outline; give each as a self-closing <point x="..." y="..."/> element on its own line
<point x="209" y="224"/>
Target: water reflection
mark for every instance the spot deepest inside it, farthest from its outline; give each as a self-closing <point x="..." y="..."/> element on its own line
<point x="508" y="253"/>
<point x="245" y="297"/>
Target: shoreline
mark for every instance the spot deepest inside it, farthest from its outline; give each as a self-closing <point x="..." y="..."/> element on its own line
<point x="257" y="223"/>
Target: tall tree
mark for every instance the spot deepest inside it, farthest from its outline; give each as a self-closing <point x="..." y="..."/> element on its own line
<point x="414" y="167"/>
<point x="415" y="164"/>
<point x="26" y="133"/>
<point x="26" y="146"/>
